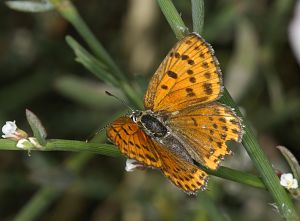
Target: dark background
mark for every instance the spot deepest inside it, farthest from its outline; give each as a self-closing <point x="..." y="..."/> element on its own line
<point x="38" y="72"/>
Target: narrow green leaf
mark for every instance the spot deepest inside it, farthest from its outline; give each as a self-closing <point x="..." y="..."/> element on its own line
<point x="101" y="70"/>
<point x="98" y="68"/>
<point x="70" y="13"/>
<point x="38" y="129"/>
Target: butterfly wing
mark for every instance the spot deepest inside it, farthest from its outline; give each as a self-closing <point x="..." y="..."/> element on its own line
<point x="190" y="74"/>
<point x="133" y="142"/>
<point x="183" y="174"/>
<point x="205" y="129"/>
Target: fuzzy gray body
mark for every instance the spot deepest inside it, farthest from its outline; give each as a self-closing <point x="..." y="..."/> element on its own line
<point x="156" y="127"/>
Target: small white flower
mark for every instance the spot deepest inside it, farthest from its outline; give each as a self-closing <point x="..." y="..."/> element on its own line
<point x="288" y="181"/>
<point x="131" y="165"/>
<point x="9" y="129"/>
<point x="24" y="144"/>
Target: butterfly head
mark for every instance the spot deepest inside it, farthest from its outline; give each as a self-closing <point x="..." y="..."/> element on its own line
<point x="136" y="115"/>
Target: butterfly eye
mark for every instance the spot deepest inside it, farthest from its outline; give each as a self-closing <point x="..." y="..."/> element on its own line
<point x="133" y="117"/>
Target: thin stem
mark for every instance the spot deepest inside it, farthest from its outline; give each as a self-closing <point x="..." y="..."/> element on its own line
<point x="70" y="13"/>
<point x="236" y="176"/>
<point x="67" y="145"/>
<point x="198" y="15"/>
<point x="168" y="9"/>
<point x="263" y="166"/>
<point x="280" y="196"/>
<point x="111" y="150"/>
<point x="99" y="69"/>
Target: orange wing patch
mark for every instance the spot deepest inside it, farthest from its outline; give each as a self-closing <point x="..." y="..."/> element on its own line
<point x="133" y="142"/>
<point x="205" y="130"/>
<point x="190" y="74"/>
<point x="183" y="92"/>
<point x="184" y="175"/>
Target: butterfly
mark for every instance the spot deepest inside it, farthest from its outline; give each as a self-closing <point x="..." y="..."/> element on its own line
<point x="182" y="122"/>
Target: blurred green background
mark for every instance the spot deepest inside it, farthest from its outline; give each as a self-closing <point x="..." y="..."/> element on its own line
<point x="38" y="72"/>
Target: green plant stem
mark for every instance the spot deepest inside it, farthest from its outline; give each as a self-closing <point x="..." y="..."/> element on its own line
<point x="100" y="70"/>
<point x="70" y="13"/>
<point x="280" y="196"/>
<point x="236" y="176"/>
<point x="111" y="150"/>
<point x="263" y="166"/>
<point x="67" y="145"/>
<point x="198" y="15"/>
<point x="45" y="196"/>
<point x="168" y="9"/>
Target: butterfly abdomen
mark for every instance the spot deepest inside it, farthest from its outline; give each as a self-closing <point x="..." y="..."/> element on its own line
<point x="176" y="147"/>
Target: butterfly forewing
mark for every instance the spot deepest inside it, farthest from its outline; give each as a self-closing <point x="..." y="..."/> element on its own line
<point x="189" y="75"/>
<point x="133" y="142"/>
<point x="184" y="175"/>
<point x="205" y="129"/>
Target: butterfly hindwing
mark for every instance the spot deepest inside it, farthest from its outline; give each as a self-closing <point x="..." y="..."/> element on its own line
<point x="135" y="144"/>
<point x="205" y="129"/>
<point x="190" y="74"/>
<point x="183" y="174"/>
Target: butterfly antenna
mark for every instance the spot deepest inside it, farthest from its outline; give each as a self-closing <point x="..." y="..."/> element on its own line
<point x="90" y="137"/>
<point x="122" y="101"/>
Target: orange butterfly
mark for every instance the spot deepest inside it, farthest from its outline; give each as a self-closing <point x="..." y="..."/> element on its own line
<point x="182" y="122"/>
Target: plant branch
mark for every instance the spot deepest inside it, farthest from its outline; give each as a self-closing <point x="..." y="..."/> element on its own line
<point x="262" y="164"/>
<point x="111" y="150"/>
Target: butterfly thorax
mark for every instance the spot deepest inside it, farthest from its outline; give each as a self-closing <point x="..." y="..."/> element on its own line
<point x="154" y="126"/>
<point x="150" y="123"/>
